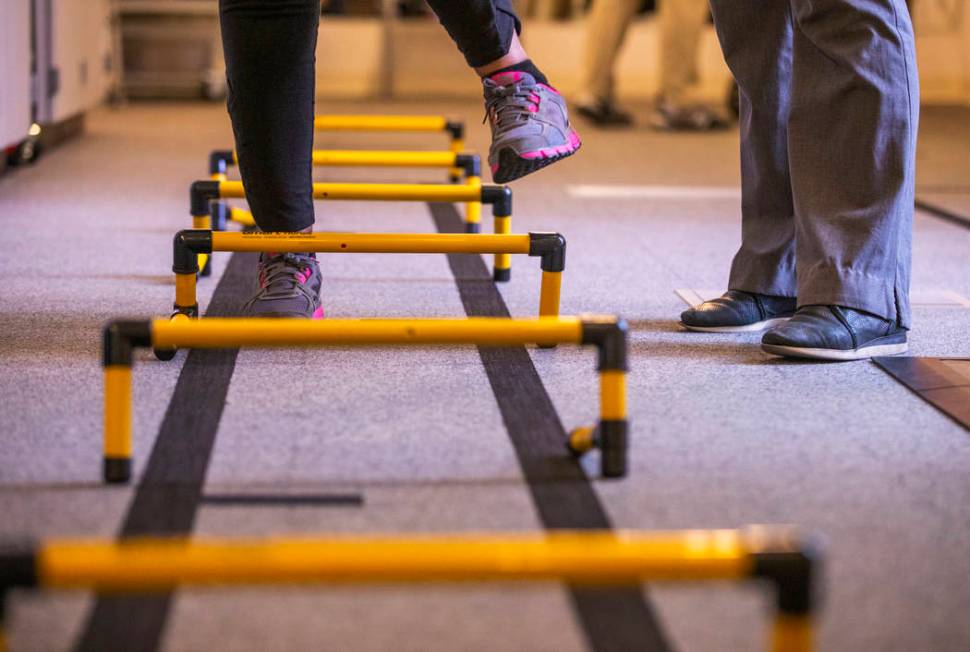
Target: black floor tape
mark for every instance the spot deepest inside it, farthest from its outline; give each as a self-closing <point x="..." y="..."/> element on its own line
<point x="943" y="214"/>
<point x="614" y="620"/>
<point x="168" y="495"/>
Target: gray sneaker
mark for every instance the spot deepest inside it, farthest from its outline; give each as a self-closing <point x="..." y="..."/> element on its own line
<point x="530" y="125"/>
<point x="289" y="286"/>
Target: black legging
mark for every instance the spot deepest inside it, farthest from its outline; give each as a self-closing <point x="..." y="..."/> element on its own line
<point x="270" y="48"/>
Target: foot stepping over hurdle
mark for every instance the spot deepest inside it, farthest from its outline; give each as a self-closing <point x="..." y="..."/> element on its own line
<point x="204" y="194"/>
<point x="121" y="338"/>
<point x="777" y="558"/>
<point x="455" y="129"/>
<point x="470" y="165"/>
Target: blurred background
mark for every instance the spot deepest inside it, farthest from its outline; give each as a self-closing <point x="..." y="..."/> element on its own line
<point x="62" y="57"/>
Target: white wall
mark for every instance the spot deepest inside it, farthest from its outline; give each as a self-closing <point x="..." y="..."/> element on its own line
<point x="81" y="32"/>
<point x="14" y="71"/>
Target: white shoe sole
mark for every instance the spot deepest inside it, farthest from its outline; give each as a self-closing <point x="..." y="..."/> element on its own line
<point x="864" y="353"/>
<point x="748" y="328"/>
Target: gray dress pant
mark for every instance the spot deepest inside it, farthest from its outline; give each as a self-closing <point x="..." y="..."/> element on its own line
<point x="829" y="112"/>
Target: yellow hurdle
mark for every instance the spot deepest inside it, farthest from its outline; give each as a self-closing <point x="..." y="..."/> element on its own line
<point x="466" y="164"/>
<point x="204" y="196"/>
<point x="779" y="556"/>
<point x="607" y="334"/>
<point x="403" y="123"/>
<point x="191" y="245"/>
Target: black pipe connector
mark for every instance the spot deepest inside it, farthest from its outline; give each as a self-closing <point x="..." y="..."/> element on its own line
<point x="200" y="194"/>
<point x="220" y="160"/>
<point x="609" y="336"/>
<point x="470" y="163"/>
<point x="793" y="573"/>
<point x="456" y="129"/>
<point x="120" y="337"/>
<point x="186" y="247"/>
<point x="18" y="566"/>
<point x="500" y="197"/>
<point x="552" y="248"/>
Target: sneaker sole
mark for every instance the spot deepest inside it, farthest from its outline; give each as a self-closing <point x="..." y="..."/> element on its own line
<point x="748" y="328"/>
<point x="511" y="166"/>
<point x="836" y="355"/>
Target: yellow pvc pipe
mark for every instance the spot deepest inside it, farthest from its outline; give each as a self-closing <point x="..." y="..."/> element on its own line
<point x="792" y="634"/>
<point x="384" y="243"/>
<point x="503" y="225"/>
<point x="613" y="395"/>
<point x="203" y="222"/>
<point x="215" y="332"/>
<point x="185" y="295"/>
<point x="242" y="216"/>
<point x="352" y="158"/>
<point x="117" y="411"/>
<point x="549" y="294"/>
<point x="473" y="209"/>
<point x="380" y="123"/>
<point x="376" y="191"/>
<point x="575" y="557"/>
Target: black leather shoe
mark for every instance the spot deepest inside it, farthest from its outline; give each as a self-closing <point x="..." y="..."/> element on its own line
<point x="604" y="114"/>
<point x="738" y="312"/>
<point x="835" y="333"/>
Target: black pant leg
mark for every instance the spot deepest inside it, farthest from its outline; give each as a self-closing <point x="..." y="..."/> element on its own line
<point x="270" y="48"/>
<point x="482" y="29"/>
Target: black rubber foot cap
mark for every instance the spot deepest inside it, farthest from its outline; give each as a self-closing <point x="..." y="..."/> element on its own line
<point x="613" y="463"/>
<point x="165" y="354"/>
<point x="117" y="470"/>
<point x="547" y="346"/>
<point x="473" y="227"/>
<point x="502" y="275"/>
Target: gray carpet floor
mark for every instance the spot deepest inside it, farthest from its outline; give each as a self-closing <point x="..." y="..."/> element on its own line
<point x="723" y="435"/>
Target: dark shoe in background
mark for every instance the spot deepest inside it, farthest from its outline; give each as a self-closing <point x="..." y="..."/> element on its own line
<point x="835" y="333"/>
<point x="738" y="312"/>
<point x="668" y="117"/>
<point x="604" y="114"/>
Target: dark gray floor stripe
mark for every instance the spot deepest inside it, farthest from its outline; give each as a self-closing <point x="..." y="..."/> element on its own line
<point x="943" y="214"/>
<point x="167" y="498"/>
<point x="284" y="500"/>
<point x="614" y="620"/>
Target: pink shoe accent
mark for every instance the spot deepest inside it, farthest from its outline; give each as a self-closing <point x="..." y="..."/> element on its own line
<point x="550" y="88"/>
<point x="494" y="167"/>
<point x="505" y="78"/>
<point x="318" y="313"/>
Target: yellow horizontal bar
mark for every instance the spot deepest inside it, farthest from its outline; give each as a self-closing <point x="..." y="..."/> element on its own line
<point x="351" y="158"/>
<point x="242" y="216"/>
<point x="216" y="332"/>
<point x="372" y="243"/>
<point x="377" y="191"/>
<point x="592" y="558"/>
<point x="380" y="123"/>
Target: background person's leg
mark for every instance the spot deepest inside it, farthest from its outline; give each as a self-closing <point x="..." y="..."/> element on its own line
<point x="681" y="25"/>
<point x="607" y="25"/>
<point x="852" y="140"/>
<point x="756" y="38"/>
<point x="270" y="50"/>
